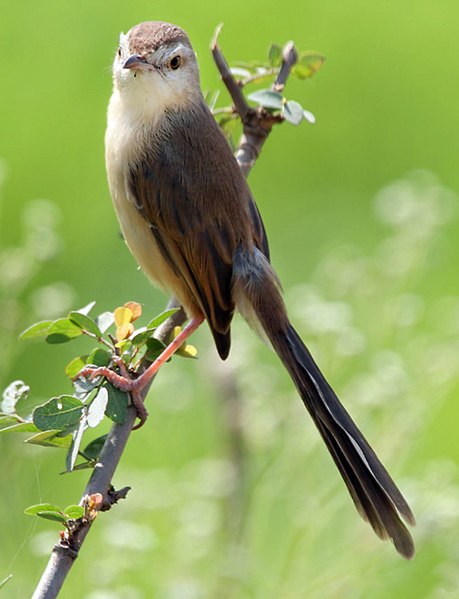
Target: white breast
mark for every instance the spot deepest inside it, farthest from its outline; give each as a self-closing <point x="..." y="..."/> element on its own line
<point x="124" y="140"/>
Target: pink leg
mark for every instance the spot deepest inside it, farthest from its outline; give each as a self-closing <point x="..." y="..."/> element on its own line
<point x="135" y="385"/>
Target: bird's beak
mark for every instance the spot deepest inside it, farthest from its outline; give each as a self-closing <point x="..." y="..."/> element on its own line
<point x="137" y="62"/>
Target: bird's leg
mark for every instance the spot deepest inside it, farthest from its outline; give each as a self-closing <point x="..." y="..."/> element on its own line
<point x="133" y="386"/>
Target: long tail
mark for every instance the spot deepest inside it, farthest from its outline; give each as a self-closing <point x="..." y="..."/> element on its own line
<point x="375" y="495"/>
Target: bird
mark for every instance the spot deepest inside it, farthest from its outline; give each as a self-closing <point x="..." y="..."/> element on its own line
<point x="190" y="220"/>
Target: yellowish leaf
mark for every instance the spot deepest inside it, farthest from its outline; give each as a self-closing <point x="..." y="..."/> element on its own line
<point x="122" y="316"/>
<point x="135" y="308"/>
<point x="124" y="331"/>
<point x="187" y="351"/>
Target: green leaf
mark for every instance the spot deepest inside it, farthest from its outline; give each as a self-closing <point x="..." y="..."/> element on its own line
<point x="62" y="331"/>
<point x="141" y="337"/>
<point x="54" y="516"/>
<point x="293" y="112"/>
<point x="21" y="427"/>
<point x="93" y="449"/>
<point x="81" y="466"/>
<point x="39" y="329"/>
<point x="240" y="72"/>
<point x="86" y="323"/>
<point x="117" y="404"/>
<point x="99" y="357"/>
<point x="50" y="439"/>
<point x="251" y="65"/>
<point x="68" y="430"/>
<point x="105" y="320"/>
<point x="275" y="55"/>
<point x="73" y="512"/>
<point x="74" y="448"/>
<point x="96" y="409"/>
<point x="15" y="391"/>
<point x="83" y="387"/>
<point x="39" y="508"/>
<point x="86" y="309"/>
<point x="308" y="64"/>
<point x="267" y="98"/>
<point x="75" y="365"/>
<point x="7" y="421"/>
<point x="154" y="348"/>
<point x="58" y="413"/>
<point x="158" y="320"/>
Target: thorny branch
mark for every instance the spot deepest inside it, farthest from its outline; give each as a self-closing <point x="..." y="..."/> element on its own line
<point x="257" y="124"/>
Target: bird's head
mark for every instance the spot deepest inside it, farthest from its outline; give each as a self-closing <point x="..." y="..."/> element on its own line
<point x="155" y="67"/>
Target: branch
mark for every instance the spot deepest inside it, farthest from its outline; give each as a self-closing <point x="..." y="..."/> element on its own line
<point x="257" y="124"/>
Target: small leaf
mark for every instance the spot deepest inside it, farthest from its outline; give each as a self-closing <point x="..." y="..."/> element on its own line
<point x="86" y="309"/>
<point x="54" y="516"/>
<point x="74" y="448"/>
<point x="308" y="64"/>
<point x="73" y="512"/>
<point x="251" y="65"/>
<point x="75" y="365"/>
<point x="293" y="112"/>
<point x="267" y="98"/>
<point x="50" y="439"/>
<point x="93" y="449"/>
<point x="62" y="331"/>
<point x="308" y="116"/>
<point x="105" y="320"/>
<point x="15" y="391"/>
<point x="275" y="55"/>
<point x="96" y="409"/>
<point x="124" y="331"/>
<point x="135" y="308"/>
<point x="117" y="404"/>
<point x="86" y="323"/>
<point x="68" y="430"/>
<point x="39" y="329"/>
<point x="83" y="387"/>
<point x="99" y="357"/>
<point x="58" y="413"/>
<point x="154" y="348"/>
<point x="187" y="351"/>
<point x="81" y="466"/>
<point x="141" y="336"/>
<point x="34" y="510"/>
<point x="158" y="320"/>
<point x="7" y="421"/>
<point x="21" y="427"/>
<point x="122" y="316"/>
<point x="240" y="72"/>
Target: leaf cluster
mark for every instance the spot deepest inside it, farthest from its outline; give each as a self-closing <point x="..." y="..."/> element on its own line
<point x="61" y="421"/>
<point x="263" y="72"/>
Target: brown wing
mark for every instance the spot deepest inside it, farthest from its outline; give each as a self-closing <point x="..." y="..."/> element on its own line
<point x="191" y="191"/>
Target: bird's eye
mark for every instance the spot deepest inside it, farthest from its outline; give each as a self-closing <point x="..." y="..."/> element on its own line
<point x="175" y="62"/>
<point x="119" y="51"/>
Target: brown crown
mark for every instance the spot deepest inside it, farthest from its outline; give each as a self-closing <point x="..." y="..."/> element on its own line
<point x="147" y="37"/>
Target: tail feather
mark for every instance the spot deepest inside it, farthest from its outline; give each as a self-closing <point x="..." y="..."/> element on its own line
<point x="375" y="495"/>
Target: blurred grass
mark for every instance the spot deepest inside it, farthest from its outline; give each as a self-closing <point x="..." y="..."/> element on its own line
<point x="386" y="104"/>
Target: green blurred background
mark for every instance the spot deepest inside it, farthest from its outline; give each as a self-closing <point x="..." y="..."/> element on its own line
<point x="361" y="214"/>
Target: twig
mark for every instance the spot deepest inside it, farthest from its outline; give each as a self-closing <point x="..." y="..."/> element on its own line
<point x="257" y="124"/>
